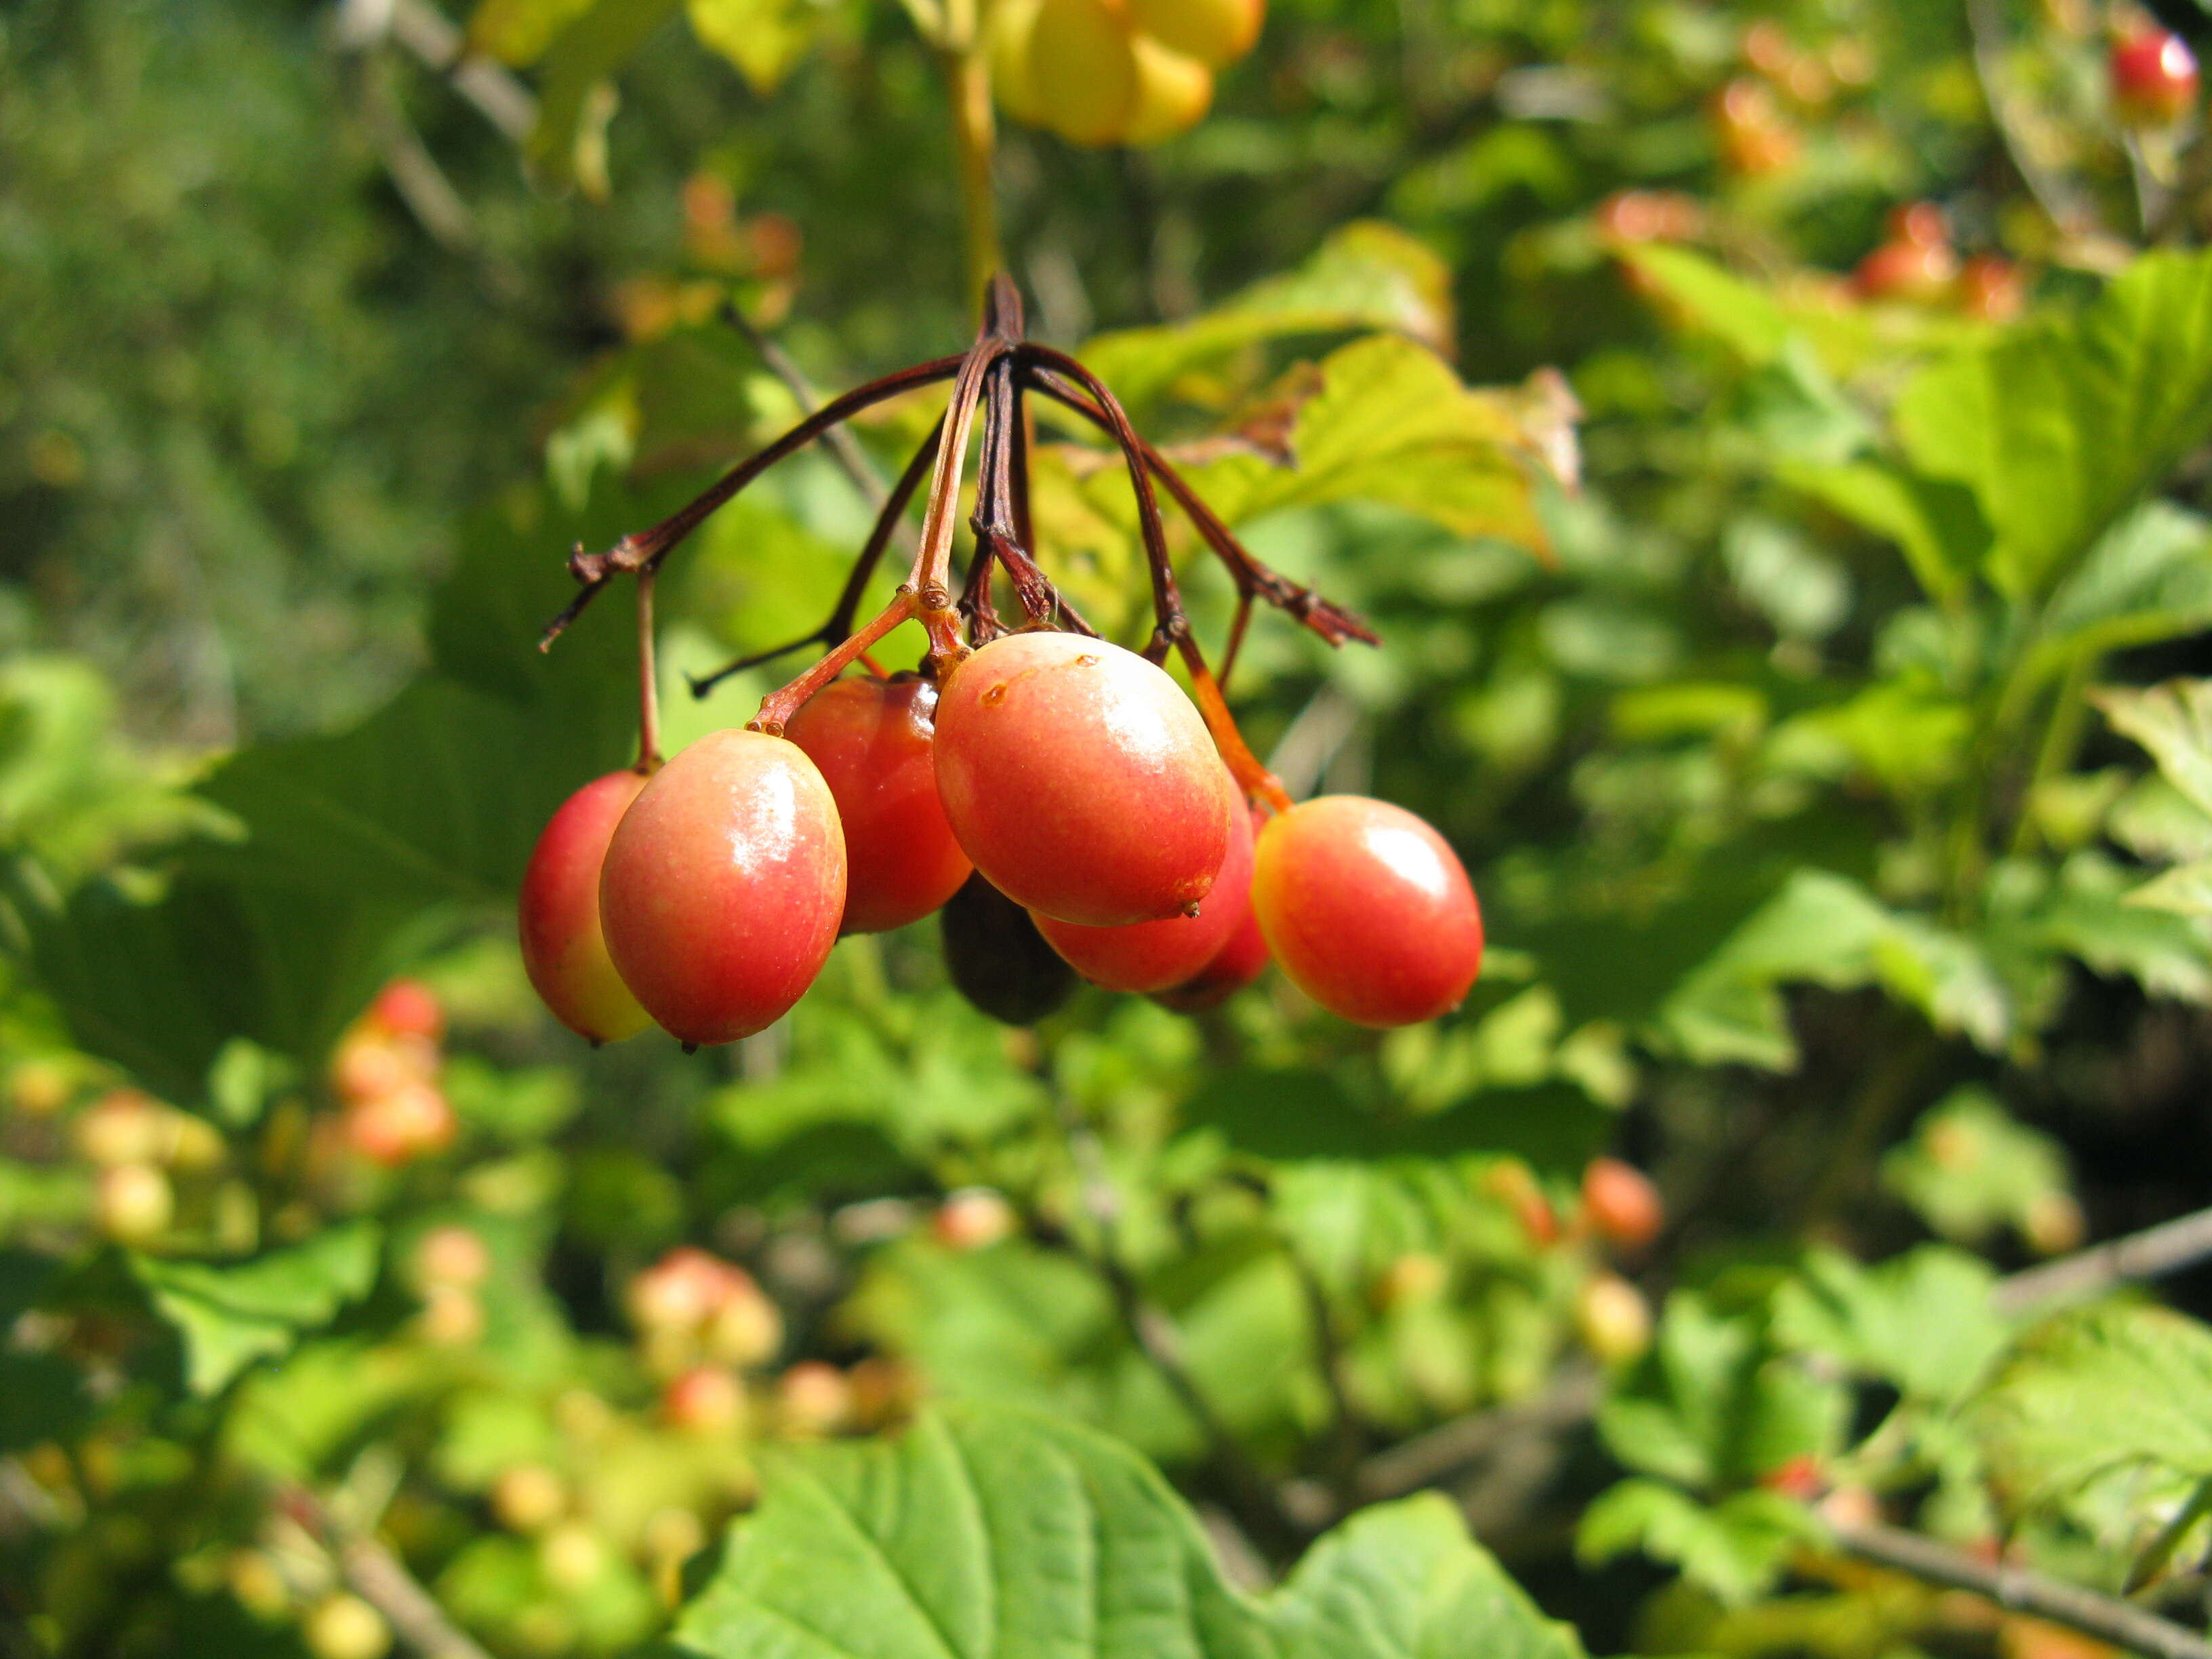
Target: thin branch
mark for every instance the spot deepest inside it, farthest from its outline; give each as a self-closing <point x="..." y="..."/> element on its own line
<point x="1259" y="1507"/>
<point x="2151" y="1254"/>
<point x="1449" y="1447"/>
<point x="2103" y="1617"/>
<point x="839" y="626"/>
<point x="440" y="47"/>
<point x="844" y="448"/>
<point x="633" y="553"/>
<point x="381" y="1579"/>
<point x="1333" y="623"/>
<point x="1344" y="1437"/>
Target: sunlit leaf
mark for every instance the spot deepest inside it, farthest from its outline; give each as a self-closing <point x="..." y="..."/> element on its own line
<point x="2060" y="424"/>
<point x="1018" y="1537"/>
<point x="231" y="1315"/>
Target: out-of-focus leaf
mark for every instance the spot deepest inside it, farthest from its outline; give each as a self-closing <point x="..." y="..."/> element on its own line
<point x="764" y="39"/>
<point x="2149" y="579"/>
<point x="1936" y="523"/>
<point x="231" y="1315"/>
<point x="1824" y="930"/>
<point x="158" y="987"/>
<point x="2088" y="913"/>
<point x="1367" y="274"/>
<point x="2059" y="424"/>
<point x="2095" y="1390"/>
<point x="1392" y="423"/>
<point x="590" y="49"/>
<point x="518" y="32"/>
<point x="1922" y="1320"/>
<point x="2174" y="722"/>
<point x="1971" y="1167"/>
<point x="1712" y="1405"/>
<point x="1004" y="1534"/>
<point x="1735" y="1548"/>
<point x="47" y="1396"/>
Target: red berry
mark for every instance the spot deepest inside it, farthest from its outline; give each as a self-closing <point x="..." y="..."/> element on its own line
<point x="1921" y="223"/>
<point x="872" y="740"/>
<point x="2153" y="77"/>
<point x="1622" y="1205"/>
<point x="1081" y="780"/>
<point x="1991" y="288"/>
<point x="564" y="950"/>
<point x="723" y="886"/>
<point x="1367" y="909"/>
<point x="998" y="960"/>
<point x="1755" y="138"/>
<point x="411" y="1121"/>
<point x="705" y="1401"/>
<point x="1921" y="272"/>
<point x="1650" y="215"/>
<point x="407" y="1007"/>
<point x="1158" y="955"/>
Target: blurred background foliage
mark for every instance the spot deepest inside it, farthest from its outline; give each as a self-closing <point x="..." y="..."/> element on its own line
<point x="1803" y="670"/>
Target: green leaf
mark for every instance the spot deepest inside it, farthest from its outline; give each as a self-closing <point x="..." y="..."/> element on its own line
<point x="2174" y="722"/>
<point x="518" y="32"/>
<point x="1826" y="930"/>
<point x="2061" y="424"/>
<point x="998" y="1535"/>
<point x="1936" y="525"/>
<point x="2149" y="579"/>
<point x="2093" y="1391"/>
<point x="230" y="1315"/>
<point x="1735" y="1548"/>
<point x="599" y="42"/>
<point x="1971" y="1167"/>
<point x="158" y="987"/>
<point x="1711" y="1405"/>
<point x="1367" y="274"/>
<point x="764" y="39"/>
<point x="1392" y="423"/>
<point x="1922" y="1320"/>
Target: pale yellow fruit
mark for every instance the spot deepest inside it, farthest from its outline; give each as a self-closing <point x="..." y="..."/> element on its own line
<point x="1082" y="69"/>
<point x="1215" y="32"/>
<point x="1173" y="93"/>
<point x="1013" y="23"/>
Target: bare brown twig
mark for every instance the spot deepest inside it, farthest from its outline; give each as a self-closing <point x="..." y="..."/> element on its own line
<point x="380" y="1578"/>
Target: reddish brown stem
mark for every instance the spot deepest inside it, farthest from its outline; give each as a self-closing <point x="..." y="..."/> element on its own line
<point x="636" y="552"/>
<point x="778" y="707"/>
<point x="1332" y="621"/>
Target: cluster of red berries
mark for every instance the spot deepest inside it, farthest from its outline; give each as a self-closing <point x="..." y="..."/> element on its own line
<point x="1048" y="771"/>
<point x="1916" y="263"/>
<point x="386" y="1071"/>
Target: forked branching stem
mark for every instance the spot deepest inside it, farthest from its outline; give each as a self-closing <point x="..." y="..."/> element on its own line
<point x="990" y="384"/>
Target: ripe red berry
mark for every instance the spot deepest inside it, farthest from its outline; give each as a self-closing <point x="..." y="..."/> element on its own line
<point x="564" y="950"/>
<point x="998" y="960"/>
<point x="1991" y="288"/>
<point x="1081" y="779"/>
<point x="1622" y="1205"/>
<point x="2153" y="77"/>
<point x="1367" y="909"/>
<point x="1900" y="269"/>
<point x="872" y="740"/>
<point x="706" y="1401"/>
<point x="724" y="886"/>
<point x="1158" y="955"/>
<point x="407" y="1007"/>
